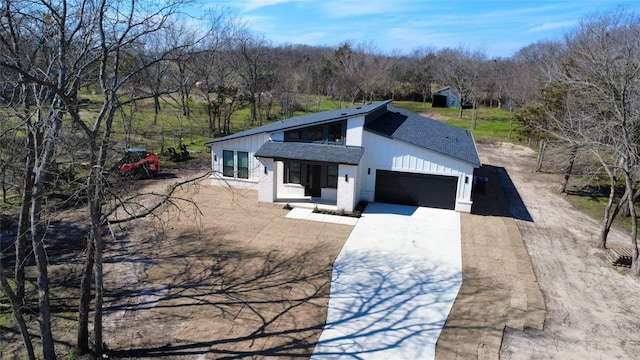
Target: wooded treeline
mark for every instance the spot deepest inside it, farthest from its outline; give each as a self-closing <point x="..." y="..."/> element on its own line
<point x="581" y="93"/>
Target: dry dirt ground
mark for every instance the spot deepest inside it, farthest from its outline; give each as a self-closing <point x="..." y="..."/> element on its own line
<point x="237" y="281"/>
<point x="592" y="307"/>
<point x="233" y="278"/>
<point x="242" y="281"/>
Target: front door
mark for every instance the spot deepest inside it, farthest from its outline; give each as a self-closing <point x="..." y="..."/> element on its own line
<point x="312" y="188"/>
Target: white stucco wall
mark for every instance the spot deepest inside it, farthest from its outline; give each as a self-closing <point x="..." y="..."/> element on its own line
<point x="386" y="154"/>
<point x="348" y="178"/>
<point x="354" y="131"/>
<point x="266" y="184"/>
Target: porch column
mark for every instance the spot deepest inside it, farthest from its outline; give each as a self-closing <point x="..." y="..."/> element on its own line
<point x="347" y="180"/>
<point x="267" y="181"/>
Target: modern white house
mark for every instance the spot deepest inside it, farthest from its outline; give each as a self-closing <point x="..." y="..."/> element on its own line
<point x="373" y="152"/>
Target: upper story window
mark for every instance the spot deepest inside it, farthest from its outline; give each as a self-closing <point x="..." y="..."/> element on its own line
<point x="335" y="133"/>
<point x="315" y="133"/>
<point x="293" y="135"/>
<point x="329" y="134"/>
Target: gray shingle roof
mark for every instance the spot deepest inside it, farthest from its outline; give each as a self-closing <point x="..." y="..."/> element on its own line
<point x="306" y="120"/>
<point x="427" y="133"/>
<point x="349" y="155"/>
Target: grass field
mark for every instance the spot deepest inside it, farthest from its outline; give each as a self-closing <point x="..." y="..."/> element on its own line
<point x="491" y="124"/>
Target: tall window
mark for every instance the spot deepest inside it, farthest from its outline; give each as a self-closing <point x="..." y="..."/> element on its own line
<point x="243" y="165"/>
<point x="332" y="176"/>
<point x="227" y="163"/>
<point x="293" y="172"/>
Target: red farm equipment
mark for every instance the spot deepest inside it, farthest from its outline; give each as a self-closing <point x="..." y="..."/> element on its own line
<point x="139" y="163"/>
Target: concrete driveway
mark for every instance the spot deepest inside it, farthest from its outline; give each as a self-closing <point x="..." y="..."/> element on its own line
<point x="393" y="285"/>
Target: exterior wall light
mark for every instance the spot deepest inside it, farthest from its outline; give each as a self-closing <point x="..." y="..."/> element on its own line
<point x="346" y="177"/>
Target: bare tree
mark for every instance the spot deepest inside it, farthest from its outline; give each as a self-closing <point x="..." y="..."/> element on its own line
<point x="49" y="49"/>
<point x="423" y="74"/>
<point x="256" y="68"/>
<point x="212" y="66"/>
<point x="461" y="68"/>
<point x="42" y="54"/>
<point x="118" y="32"/>
<point x="601" y="75"/>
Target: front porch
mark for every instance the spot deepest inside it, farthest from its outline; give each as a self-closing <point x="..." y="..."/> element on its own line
<point x="308" y="184"/>
<point x="309" y="203"/>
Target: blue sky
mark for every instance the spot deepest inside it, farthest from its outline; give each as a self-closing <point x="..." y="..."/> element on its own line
<point x="500" y="28"/>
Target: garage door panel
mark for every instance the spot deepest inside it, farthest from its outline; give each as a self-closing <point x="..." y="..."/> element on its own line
<point x="416" y="189"/>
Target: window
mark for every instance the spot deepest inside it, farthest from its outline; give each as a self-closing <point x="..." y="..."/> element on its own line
<point x="293" y="172"/>
<point x="332" y="176"/>
<point x="294" y="135"/>
<point x="227" y="163"/>
<point x="315" y="133"/>
<point x="335" y="133"/>
<point x="243" y="165"/>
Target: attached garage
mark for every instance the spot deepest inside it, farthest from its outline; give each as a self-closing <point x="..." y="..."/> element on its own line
<point x="415" y="189"/>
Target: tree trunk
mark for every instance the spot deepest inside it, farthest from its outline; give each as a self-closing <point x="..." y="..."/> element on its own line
<point x="254" y="111"/>
<point x="21" y="238"/>
<point x="567" y="172"/>
<point x="38" y="232"/>
<point x="46" y="145"/>
<point x="607" y="219"/>
<point x="635" y="265"/>
<point x="510" y="121"/>
<point x="16" y="306"/>
<point x="23" y="222"/>
<point x="542" y="148"/>
<point x="97" y="320"/>
<point x="85" y="298"/>
<point x="156" y="108"/>
<point x="474" y="116"/>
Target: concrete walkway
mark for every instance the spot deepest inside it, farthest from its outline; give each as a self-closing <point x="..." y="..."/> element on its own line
<point x="394" y="283"/>
<point x="308" y="214"/>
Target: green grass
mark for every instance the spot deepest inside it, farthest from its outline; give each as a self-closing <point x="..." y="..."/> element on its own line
<point x="63" y="311"/>
<point x="491" y="124"/>
<point x="416" y="107"/>
<point x="594" y="207"/>
<point x="173" y="128"/>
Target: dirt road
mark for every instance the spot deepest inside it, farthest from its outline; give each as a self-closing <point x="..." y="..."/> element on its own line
<point x="592" y="308"/>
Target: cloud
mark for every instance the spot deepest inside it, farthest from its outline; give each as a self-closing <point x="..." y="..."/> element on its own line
<point x="553" y="26"/>
<point x="345" y="9"/>
<point x="257" y="4"/>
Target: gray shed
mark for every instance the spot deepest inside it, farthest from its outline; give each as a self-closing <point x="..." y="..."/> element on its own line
<point x="447" y="97"/>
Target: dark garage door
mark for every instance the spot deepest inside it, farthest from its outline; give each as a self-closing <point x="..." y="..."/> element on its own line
<point x="416" y="189"/>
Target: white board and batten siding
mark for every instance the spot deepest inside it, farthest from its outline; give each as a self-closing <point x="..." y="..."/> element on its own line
<point x="387" y="154"/>
<point x="249" y="144"/>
